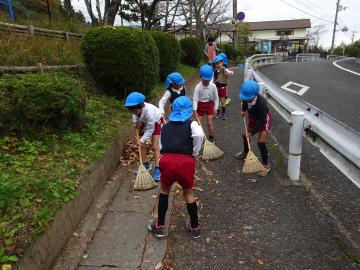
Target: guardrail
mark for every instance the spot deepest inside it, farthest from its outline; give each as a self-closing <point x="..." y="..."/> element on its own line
<point x="36" y="69"/>
<point x="32" y="31"/>
<point x="334" y="57"/>
<point x="303" y="57"/>
<point x="339" y="143"/>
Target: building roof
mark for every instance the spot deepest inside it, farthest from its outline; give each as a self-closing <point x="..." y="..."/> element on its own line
<point x="269" y="25"/>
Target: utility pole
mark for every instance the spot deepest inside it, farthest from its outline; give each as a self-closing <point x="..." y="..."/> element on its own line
<point x="235" y="36"/>
<point x="352" y="38"/>
<point x="334" y="30"/>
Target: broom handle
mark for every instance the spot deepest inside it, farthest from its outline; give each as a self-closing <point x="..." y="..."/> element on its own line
<point x="246" y="134"/>
<point x="197" y="118"/>
<point x="138" y="140"/>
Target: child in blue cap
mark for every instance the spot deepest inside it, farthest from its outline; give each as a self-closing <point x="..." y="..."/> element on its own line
<point x="206" y="99"/>
<point x="254" y="106"/>
<point x="175" y="87"/>
<point x="181" y="141"/>
<point x="148" y="121"/>
<point x="221" y="77"/>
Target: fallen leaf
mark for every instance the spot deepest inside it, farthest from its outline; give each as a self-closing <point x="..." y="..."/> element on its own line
<point x="6" y="267"/>
<point x="147" y="261"/>
<point x="85" y="256"/>
<point x="218" y="195"/>
<point x="208" y="240"/>
<point x="260" y="261"/>
<point x="212" y="190"/>
<point x="217" y="182"/>
<point x="38" y="200"/>
<point x="198" y="189"/>
<point x="75" y="234"/>
<point x="252" y="180"/>
<point x="231" y="236"/>
<point x="154" y="196"/>
<point x="158" y="266"/>
<point x="136" y="197"/>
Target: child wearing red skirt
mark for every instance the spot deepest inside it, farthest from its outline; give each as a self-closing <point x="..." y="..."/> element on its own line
<point x="255" y="107"/>
<point x="221" y="77"/>
<point x="206" y="99"/>
<point x="181" y="141"/>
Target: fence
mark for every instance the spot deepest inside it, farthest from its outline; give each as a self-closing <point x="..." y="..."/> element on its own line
<point x="37" y="69"/>
<point x="34" y="31"/>
<point x="303" y="57"/>
<point x="334" y="57"/>
<point x="337" y="142"/>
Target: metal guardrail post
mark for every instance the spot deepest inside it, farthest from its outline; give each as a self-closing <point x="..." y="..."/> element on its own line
<point x="248" y="75"/>
<point x="262" y="88"/>
<point x="246" y="68"/>
<point x="295" y="144"/>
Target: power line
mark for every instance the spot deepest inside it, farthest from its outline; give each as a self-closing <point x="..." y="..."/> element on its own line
<point x="304" y="11"/>
<point x="307" y="6"/>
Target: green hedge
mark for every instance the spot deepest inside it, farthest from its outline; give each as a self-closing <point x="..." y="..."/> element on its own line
<point x="230" y="51"/>
<point x="191" y="51"/>
<point x="121" y="59"/>
<point x="169" y="52"/>
<point x="35" y="102"/>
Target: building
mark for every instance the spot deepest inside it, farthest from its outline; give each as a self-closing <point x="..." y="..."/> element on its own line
<point x="269" y="36"/>
<point x="272" y="36"/>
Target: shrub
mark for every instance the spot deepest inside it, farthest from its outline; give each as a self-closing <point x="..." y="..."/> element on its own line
<point x="36" y="101"/>
<point x="121" y="59"/>
<point x="169" y="52"/>
<point x="192" y="51"/>
<point x="229" y="50"/>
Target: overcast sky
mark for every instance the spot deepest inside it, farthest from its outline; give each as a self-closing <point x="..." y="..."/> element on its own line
<point x="320" y="12"/>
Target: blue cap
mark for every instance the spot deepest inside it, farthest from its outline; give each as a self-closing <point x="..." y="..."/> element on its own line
<point x="175" y="78"/>
<point x="134" y="98"/>
<point x="206" y="72"/>
<point x="218" y="58"/>
<point x="248" y="90"/>
<point x="181" y="109"/>
<point x="224" y="57"/>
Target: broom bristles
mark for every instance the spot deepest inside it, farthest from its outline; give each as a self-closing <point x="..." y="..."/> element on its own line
<point x="144" y="180"/>
<point x="211" y="151"/>
<point x="252" y="164"/>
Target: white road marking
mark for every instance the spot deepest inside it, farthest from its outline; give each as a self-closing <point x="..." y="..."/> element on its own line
<point x="302" y="91"/>
<point x="348" y="70"/>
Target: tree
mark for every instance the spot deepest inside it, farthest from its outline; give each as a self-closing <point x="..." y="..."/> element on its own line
<point x="107" y="16"/>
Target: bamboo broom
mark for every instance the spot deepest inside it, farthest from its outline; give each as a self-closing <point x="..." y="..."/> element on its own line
<point x="252" y="164"/>
<point x="144" y="180"/>
<point x="210" y="150"/>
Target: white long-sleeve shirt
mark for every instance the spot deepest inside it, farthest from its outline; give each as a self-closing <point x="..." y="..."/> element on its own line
<point x="164" y="99"/>
<point x="205" y="94"/>
<point x="149" y="116"/>
<point x="198" y="136"/>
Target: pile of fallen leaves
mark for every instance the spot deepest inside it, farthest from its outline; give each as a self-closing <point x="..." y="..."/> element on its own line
<point x="130" y="153"/>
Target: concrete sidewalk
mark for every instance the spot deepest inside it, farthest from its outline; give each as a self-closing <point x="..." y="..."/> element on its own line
<point x="114" y="233"/>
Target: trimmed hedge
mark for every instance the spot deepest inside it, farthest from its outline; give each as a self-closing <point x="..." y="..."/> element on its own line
<point x="121" y="59"/>
<point x="191" y="51"/>
<point x="37" y="101"/>
<point x="229" y="50"/>
<point x="169" y="52"/>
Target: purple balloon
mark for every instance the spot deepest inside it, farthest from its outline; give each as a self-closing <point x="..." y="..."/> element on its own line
<point x="240" y="16"/>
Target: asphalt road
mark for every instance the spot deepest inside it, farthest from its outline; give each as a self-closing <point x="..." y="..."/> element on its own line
<point x="332" y="90"/>
<point x="350" y="64"/>
<point x="250" y="222"/>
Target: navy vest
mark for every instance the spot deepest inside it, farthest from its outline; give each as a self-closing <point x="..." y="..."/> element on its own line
<point x="176" y="138"/>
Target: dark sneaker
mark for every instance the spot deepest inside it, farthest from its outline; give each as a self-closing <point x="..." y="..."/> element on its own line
<point x="242" y="155"/>
<point x="211" y="139"/>
<point x="156" y="175"/>
<point x="264" y="171"/>
<point x="218" y="115"/>
<point x="157" y="231"/>
<point x="195" y="232"/>
<point x="223" y="117"/>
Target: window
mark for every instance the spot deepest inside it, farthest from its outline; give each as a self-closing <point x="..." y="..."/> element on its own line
<point x="284" y="32"/>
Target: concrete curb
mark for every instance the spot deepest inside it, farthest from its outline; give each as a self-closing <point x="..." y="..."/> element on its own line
<point x="44" y="250"/>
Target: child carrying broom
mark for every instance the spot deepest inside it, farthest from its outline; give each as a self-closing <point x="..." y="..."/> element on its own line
<point x="147" y="121"/>
<point x="206" y="99"/>
<point x="181" y="141"/>
<point x="175" y="87"/>
<point x="221" y="77"/>
<point x="256" y="109"/>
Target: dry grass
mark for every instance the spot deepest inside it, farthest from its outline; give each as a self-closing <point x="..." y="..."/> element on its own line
<point x="19" y="50"/>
